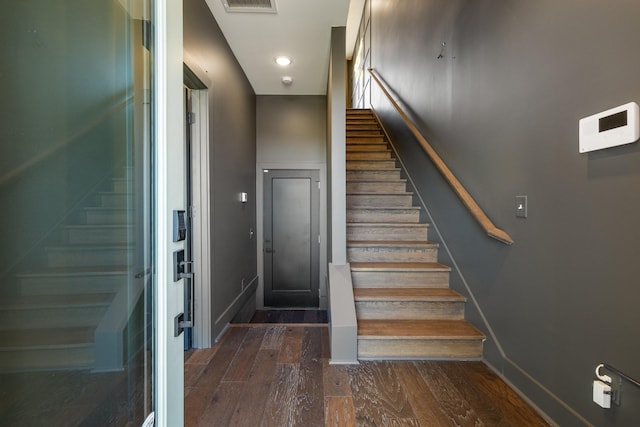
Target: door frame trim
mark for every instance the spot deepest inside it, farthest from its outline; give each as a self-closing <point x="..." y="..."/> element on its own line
<point x="322" y="270"/>
<point x="201" y="219"/>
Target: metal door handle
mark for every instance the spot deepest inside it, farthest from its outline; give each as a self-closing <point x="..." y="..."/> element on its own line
<point x="269" y="250"/>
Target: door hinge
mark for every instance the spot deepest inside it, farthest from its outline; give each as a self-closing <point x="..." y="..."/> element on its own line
<point x="191" y="117"/>
<point x="318" y="239"/>
<point x="179" y="324"/>
<point x="318" y="185"/>
<point x="190" y="211"/>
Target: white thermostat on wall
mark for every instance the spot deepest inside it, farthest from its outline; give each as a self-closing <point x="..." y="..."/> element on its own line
<point x="617" y="126"/>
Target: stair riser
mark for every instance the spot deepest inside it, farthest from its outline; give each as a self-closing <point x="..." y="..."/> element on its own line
<point x="399" y="310"/>
<point x="372" y="175"/>
<point x="370" y="155"/>
<point x="97" y="236"/>
<point x="386" y="233"/>
<point x="71" y="285"/>
<point x="352" y="148"/>
<point x="114" y="200"/>
<point x="363" y="134"/>
<point x="382" y="254"/>
<point x="369" y="126"/>
<point x="381" y="201"/>
<point x="67" y="317"/>
<point x="352" y="121"/>
<point x="85" y="258"/>
<point x="376" y="187"/>
<point x="370" y="165"/>
<point x="108" y="217"/>
<point x="356" y="140"/>
<point x="419" y="348"/>
<point x="400" y="279"/>
<point x="380" y="215"/>
<point x="47" y="359"/>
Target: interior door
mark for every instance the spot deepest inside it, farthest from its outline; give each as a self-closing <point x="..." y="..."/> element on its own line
<point x="291" y="238"/>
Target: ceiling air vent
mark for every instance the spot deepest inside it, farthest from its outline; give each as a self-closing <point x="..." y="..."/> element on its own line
<point x="251" y="6"/>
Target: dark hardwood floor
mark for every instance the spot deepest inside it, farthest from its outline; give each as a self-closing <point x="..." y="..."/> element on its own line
<point x="279" y="375"/>
<point x="290" y="316"/>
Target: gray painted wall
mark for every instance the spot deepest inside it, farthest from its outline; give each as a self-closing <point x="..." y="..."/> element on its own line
<point x="502" y="109"/>
<point x="291" y="134"/>
<point x="336" y="143"/>
<point x="232" y="106"/>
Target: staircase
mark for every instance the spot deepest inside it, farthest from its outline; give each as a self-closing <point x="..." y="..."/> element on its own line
<point x="50" y="320"/>
<point x="404" y="306"/>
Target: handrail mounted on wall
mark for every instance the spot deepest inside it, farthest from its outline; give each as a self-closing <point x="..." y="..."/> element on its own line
<point x="475" y="210"/>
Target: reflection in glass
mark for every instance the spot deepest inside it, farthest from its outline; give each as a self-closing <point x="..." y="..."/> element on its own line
<point x="76" y="297"/>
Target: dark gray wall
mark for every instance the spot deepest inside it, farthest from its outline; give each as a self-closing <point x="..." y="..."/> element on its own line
<point x="232" y="131"/>
<point x="502" y="109"/>
<point x="291" y="133"/>
<point x="291" y="129"/>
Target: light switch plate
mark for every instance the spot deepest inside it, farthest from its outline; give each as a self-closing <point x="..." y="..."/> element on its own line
<point x="521" y="206"/>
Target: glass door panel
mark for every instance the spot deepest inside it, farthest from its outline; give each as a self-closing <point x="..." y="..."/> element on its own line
<point x="76" y="182"/>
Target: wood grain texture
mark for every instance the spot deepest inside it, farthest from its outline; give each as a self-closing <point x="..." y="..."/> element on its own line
<point x="335" y="379"/>
<point x="514" y="410"/>
<point x="198" y="397"/>
<point x="221" y="406"/>
<point x="311" y="392"/>
<point x="378" y="397"/>
<point x="457" y="409"/>
<point x="281" y="404"/>
<point x="339" y="412"/>
<point x="273" y="338"/>
<point x="291" y="345"/>
<point x="202" y="356"/>
<point x="251" y="405"/>
<point x="243" y="362"/>
<point x="310" y="399"/>
<point x="426" y="408"/>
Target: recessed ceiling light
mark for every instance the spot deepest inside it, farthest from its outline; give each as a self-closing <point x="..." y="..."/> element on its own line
<point x="283" y="60"/>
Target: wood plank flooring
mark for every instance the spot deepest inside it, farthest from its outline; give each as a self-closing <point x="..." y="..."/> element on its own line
<point x="279" y="375"/>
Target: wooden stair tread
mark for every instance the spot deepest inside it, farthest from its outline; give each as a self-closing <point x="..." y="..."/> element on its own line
<point x="53" y="301"/>
<point x="384" y="208"/>
<point x="398" y="266"/>
<point x="377" y="181"/>
<point x="387" y="224"/>
<point x="418" y="329"/>
<point x="407" y="294"/>
<point x="46" y="338"/>
<point x="371" y="193"/>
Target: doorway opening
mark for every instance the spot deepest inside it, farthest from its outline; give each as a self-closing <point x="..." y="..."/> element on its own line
<point x="197" y="292"/>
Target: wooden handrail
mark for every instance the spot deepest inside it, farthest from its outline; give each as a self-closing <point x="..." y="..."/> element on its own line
<point x="475" y="210"/>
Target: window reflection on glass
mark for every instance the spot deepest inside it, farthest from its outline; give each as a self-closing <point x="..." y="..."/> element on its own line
<point x="76" y="297"/>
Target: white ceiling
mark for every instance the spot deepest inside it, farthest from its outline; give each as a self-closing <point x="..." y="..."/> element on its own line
<point x="301" y="29"/>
